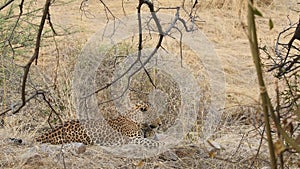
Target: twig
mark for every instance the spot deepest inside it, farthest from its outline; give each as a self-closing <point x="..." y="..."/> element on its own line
<point x="123" y="8"/>
<point x="50" y="24"/>
<point x="6" y="4"/>
<point x="12" y="108"/>
<point x="107" y="9"/>
<point x="15" y="26"/>
<point x="259" y="147"/>
<point x="52" y="109"/>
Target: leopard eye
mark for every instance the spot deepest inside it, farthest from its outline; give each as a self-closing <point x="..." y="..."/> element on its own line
<point x="152" y="126"/>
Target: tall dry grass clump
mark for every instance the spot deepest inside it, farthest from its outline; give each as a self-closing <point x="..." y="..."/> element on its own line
<point x="231" y="4"/>
<point x="217" y="4"/>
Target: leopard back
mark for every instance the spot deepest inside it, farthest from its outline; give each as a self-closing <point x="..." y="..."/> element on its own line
<point x="115" y="131"/>
<point x="70" y="131"/>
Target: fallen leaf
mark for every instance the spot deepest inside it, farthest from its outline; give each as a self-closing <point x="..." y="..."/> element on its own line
<point x="140" y="164"/>
<point x="271" y="24"/>
<point x="279" y="147"/>
<point x="212" y="154"/>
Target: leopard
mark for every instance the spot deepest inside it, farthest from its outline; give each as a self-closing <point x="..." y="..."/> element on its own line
<point x="137" y="126"/>
<point x="146" y="116"/>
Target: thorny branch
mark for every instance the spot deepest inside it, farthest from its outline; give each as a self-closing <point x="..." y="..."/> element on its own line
<point x="35" y="54"/>
<point x="33" y="58"/>
<point x="285" y="62"/>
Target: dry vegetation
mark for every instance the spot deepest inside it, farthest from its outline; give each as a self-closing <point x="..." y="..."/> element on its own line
<point x="239" y="132"/>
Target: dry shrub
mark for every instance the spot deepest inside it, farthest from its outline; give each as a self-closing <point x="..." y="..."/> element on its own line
<point x="222" y="4"/>
<point x="231" y="4"/>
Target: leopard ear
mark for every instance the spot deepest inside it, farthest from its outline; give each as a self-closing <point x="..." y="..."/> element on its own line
<point x="144" y="108"/>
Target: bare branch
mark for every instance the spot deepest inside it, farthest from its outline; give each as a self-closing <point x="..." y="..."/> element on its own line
<point x="34" y="56"/>
<point x="158" y="45"/>
<point x="295" y="36"/>
<point x="50" y="23"/>
<point x="6" y="4"/>
<point x="107" y="9"/>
